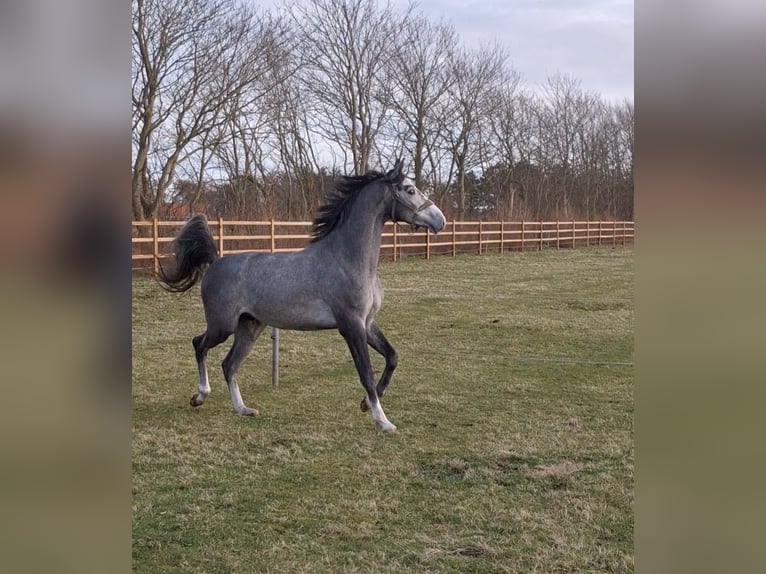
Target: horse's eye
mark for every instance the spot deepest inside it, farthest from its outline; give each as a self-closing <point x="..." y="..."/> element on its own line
<point x="411" y="191"/>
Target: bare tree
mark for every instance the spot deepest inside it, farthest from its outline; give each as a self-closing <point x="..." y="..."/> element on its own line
<point x="502" y="131"/>
<point x="613" y="161"/>
<point x="344" y="47"/>
<point x="625" y="121"/>
<point x="566" y="111"/>
<point x="476" y="74"/>
<point x="245" y="111"/>
<point x="298" y="159"/>
<point x="420" y="77"/>
<point x="190" y="58"/>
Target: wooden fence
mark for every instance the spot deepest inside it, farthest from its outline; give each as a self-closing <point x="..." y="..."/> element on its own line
<point x="150" y="238"/>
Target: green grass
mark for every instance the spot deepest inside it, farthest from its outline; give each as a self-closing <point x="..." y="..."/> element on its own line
<point x="514" y="403"/>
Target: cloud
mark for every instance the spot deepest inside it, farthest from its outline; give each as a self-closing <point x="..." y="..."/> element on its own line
<point x="590" y="40"/>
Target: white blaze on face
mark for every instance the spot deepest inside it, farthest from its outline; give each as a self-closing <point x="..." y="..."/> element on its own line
<point x="430" y="216"/>
<point x="413" y="193"/>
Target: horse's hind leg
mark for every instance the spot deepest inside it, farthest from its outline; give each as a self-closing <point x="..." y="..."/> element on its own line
<point x="202" y="343"/>
<point x="248" y="331"/>
<point x="378" y="341"/>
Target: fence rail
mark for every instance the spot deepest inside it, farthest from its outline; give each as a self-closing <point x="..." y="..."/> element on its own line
<point x="149" y="238"/>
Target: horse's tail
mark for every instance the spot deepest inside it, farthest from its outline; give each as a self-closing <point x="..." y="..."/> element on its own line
<point x="193" y="249"/>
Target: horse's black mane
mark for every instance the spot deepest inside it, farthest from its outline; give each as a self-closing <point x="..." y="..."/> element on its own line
<point x="337" y="203"/>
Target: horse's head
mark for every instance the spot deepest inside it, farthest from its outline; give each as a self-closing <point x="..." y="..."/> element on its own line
<point x="410" y="205"/>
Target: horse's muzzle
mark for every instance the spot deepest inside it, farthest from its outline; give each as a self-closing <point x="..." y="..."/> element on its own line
<point x="431" y="218"/>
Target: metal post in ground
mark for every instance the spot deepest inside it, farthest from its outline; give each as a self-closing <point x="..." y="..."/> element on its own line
<point x="155" y="246"/>
<point x="275" y="357"/>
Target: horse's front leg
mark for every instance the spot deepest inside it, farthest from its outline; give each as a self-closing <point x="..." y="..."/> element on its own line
<point x="378" y="341"/>
<point x="353" y="331"/>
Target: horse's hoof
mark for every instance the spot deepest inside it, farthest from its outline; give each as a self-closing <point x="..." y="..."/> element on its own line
<point x="196" y="400"/>
<point x="389" y="429"/>
<point x="248" y="412"/>
<point x="363" y="406"/>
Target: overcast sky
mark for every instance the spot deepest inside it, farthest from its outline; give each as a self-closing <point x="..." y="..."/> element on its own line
<point x="590" y="40"/>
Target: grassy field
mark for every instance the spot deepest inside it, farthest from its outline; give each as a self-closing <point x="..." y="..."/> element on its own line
<point x="514" y="402"/>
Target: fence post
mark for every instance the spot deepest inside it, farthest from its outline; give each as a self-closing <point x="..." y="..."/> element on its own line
<point x="522" y="235"/>
<point x="454" y="245"/>
<point x="541" y="236"/>
<point x="614" y="234"/>
<point x="155" y="246"/>
<point x="395" y="230"/>
<point x="274" y="357"/>
<point x="220" y="236"/>
<point x="599" y="232"/>
<point x="587" y="233"/>
<point x="558" y="234"/>
<point x="573" y="235"/>
<point x="273" y="235"/>
<point x="480" y="226"/>
<point x="502" y="236"/>
<point x="428" y="244"/>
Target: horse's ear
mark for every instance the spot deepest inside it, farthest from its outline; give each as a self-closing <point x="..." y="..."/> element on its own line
<point x="396" y="173"/>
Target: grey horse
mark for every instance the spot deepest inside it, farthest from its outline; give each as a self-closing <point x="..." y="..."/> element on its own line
<point x="332" y="283"/>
